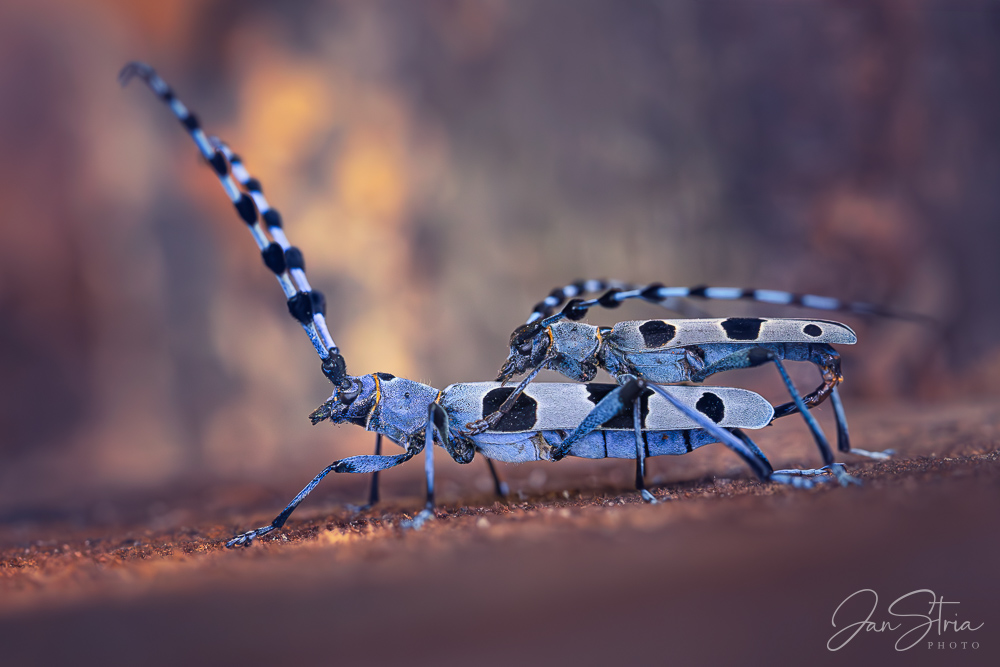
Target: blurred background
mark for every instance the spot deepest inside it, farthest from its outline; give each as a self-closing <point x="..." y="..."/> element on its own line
<point x="443" y="164"/>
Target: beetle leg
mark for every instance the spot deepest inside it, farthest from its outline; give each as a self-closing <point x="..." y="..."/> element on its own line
<point x="364" y="463"/>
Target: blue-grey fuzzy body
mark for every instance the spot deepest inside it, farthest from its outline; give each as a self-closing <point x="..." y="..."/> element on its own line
<point x="545" y="414"/>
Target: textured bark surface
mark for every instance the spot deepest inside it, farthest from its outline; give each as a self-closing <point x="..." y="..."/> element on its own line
<point x="723" y="570"/>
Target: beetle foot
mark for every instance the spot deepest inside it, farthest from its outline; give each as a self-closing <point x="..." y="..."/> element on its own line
<point x="477" y="427"/>
<point x="804" y="472"/>
<point x="483" y="425"/>
<point x="358" y="509"/>
<point x="247" y="538"/>
<point x="417" y="522"/>
<point x="878" y="456"/>
<point x="818" y="475"/>
<point x="842" y="476"/>
<point x="795" y="479"/>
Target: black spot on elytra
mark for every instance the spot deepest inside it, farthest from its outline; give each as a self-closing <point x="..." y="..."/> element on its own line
<point x="522" y="417"/>
<point x="597" y="390"/>
<point x="624" y="420"/>
<point x="711" y="406"/>
<point x="385" y="376"/>
<point x="657" y="333"/>
<point x="742" y="328"/>
<point x="812" y="330"/>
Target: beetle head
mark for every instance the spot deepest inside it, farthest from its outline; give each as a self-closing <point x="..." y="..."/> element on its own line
<point x="351" y="401"/>
<point x="528" y="346"/>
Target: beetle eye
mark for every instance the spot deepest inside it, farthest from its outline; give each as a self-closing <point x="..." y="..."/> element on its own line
<point x="348" y="394"/>
<point x="525" y="348"/>
<point x="524" y="333"/>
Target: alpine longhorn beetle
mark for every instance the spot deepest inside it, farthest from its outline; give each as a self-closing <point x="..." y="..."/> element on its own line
<point x="546" y="422"/>
<point x="686" y="350"/>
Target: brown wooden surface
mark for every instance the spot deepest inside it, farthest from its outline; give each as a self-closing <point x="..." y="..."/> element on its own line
<point x="725" y="570"/>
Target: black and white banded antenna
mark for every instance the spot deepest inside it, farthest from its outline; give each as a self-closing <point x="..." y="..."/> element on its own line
<point x="616" y="292"/>
<point x="306" y="305"/>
